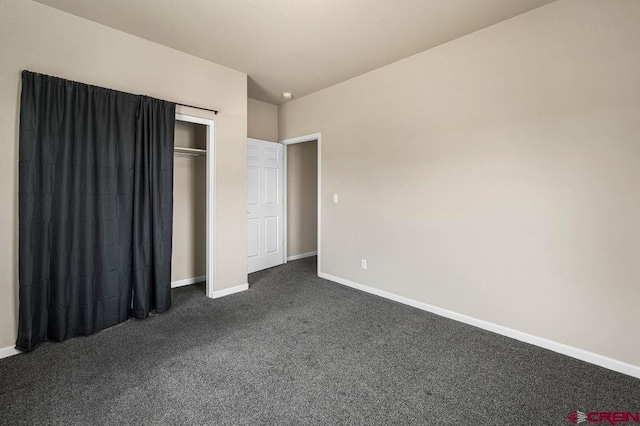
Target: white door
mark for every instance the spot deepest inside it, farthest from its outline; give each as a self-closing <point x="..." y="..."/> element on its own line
<point x="265" y="206"/>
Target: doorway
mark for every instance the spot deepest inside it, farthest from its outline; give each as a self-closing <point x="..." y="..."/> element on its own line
<point x="303" y="197"/>
<point x="193" y="256"/>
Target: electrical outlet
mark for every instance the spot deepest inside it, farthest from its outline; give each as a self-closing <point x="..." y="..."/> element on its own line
<point x="364" y="263"/>
<point x="335" y="198"/>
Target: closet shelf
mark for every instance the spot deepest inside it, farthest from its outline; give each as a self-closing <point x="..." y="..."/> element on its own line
<point x="190" y="151"/>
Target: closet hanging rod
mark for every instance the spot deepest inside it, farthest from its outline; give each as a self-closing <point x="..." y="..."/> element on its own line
<point x="187" y="154"/>
<point x="189" y="151"/>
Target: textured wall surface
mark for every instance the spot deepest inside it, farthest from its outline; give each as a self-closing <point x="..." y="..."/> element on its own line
<point x="262" y="120"/>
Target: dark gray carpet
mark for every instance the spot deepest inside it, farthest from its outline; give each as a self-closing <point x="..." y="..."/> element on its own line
<point x="295" y="350"/>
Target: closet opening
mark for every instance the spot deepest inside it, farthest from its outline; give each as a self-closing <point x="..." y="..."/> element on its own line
<point x="192" y="258"/>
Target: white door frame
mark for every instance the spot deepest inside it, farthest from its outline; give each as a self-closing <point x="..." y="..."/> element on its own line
<point x="301" y="139"/>
<point x="211" y="198"/>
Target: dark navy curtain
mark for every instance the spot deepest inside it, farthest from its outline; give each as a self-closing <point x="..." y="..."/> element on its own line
<point x="96" y="207"/>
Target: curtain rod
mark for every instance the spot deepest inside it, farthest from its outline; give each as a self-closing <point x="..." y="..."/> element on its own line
<point x="177" y="103"/>
<point x="191" y="106"/>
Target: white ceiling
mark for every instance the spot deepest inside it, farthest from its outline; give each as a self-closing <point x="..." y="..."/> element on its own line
<point x="298" y="46"/>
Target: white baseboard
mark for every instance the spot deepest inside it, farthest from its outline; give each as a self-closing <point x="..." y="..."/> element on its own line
<point x="8" y="351"/>
<point x="302" y="256"/>
<point x="188" y="281"/>
<point x="228" y="291"/>
<point x="590" y="357"/>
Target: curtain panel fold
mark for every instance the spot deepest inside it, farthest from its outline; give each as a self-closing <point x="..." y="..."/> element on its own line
<point x="95" y="208"/>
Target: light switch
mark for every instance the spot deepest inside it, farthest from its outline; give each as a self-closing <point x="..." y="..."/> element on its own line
<point x="335" y="198"/>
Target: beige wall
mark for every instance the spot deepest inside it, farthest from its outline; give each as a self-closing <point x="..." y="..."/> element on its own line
<point x="38" y="38"/>
<point x="302" y="198"/>
<point x="262" y="120"/>
<point x="496" y="175"/>
<point x="189" y="204"/>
